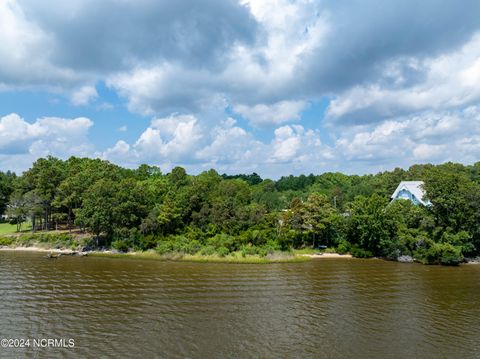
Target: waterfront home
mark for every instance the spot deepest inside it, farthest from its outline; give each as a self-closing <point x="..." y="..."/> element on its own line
<point x="412" y="191"/>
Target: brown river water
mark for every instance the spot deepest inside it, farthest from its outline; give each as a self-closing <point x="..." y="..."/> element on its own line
<point x="326" y="308"/>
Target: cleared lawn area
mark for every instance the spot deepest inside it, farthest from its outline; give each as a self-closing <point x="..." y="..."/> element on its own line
<point x="7" y="228"/>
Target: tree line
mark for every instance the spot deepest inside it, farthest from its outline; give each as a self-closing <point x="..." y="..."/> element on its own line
<point x="208" y="213"/>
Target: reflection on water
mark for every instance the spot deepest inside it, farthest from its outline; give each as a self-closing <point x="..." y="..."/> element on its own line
<point x="322" y="309"/>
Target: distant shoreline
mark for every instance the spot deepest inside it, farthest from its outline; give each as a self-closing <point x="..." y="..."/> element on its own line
<point x="328" y="255"/>
<point x="107" y="252"/>
<point x="38" y="249"/>
<point x="235" y="258"/>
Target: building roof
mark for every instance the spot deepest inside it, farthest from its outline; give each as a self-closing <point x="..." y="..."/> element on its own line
<point x="415" y="188"/>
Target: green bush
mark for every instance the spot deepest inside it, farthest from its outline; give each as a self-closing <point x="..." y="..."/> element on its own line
<point x="164" y="247"/>
<point x="195" y="233"/>
<point x="394" y="249"/>
<point x="55" y="240"/>
<point x="286" y="239"/>
<point x="272" y="246"/>
<point x="262" y="251"/>
<point x="121" y="246"/>
<point x="451" y="255"/>
<point x="179" y="244"/>
<point x="461" y="239"/>
<point x="257" y="237"/>
<point x="250" y="250"/>
<point x="147" y="242"/>
<point x="132" y="239"/>
<point x="441" y="253"/>
<point x="52" y="238"/>
<point x="223" y="240"/>
<point x="6" y="241"/>
<point x="188" y="247"/>
<point x="360" y="252"/>
<point x="343" y="247"/>
<point x="409" y="240"/>
<point x="207" y="250"/>
<point x="223" y="251"/>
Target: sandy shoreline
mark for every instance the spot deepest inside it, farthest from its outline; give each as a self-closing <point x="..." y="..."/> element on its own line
<point x="148" y="255"/>
<point x="327" y="255"/>
<point x="70" y="251"/>
<point x="37" y="249"/>
<point x="155" y="256"/>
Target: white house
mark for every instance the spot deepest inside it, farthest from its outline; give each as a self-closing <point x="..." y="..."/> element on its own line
<point x="411" y="190"/>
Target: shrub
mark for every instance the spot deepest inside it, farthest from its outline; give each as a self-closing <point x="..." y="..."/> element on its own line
<point x="394" y="249"/>
<point x="164" y="247"/>
<point x="343" y="247"/>
<point x="195" y="233"/>
<point x="441" y="253"/>
<point x="53" y="238"/>
<point x="223" y="251"/>
<point x="121" y="246"/>
<point x="273" y="245"/>
<point x="451" y="255"/>
<point x="207" y="250"/>
<point x="257" y="237"/>
<point x="461" y="239"/>
<point x="250" y="250"/>
<point x="122" y="240"/>
<point x="6" y="241"/>
<point x="410" y="239"/>
<point x="56" y="240"/>
<point x="178" y="244"/>
<point x="147" y="242"/>
<point x="187" y="247"/>
<point x="223" y="240"/>
<point x="360" y="252"/>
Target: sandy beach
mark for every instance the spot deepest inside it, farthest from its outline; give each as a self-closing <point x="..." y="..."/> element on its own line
<point x="37" y="249"/>
<point x="328" y="255"/>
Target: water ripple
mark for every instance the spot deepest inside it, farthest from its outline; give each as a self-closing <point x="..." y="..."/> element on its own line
<point x="321" y="309"/>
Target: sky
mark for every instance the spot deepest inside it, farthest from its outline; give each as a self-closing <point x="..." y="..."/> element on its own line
<point x="276" y="87"/>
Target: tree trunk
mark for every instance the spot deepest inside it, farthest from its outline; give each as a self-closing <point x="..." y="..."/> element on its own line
<point x="69" y="219"/>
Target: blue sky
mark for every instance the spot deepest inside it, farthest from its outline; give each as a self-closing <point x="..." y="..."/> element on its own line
<point x="273" y="86"/>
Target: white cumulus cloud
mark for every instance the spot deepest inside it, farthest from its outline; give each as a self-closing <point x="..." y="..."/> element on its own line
<point x="22" y="142"/>
<point x="84" y="95"/>
<point x="277" y="113"/>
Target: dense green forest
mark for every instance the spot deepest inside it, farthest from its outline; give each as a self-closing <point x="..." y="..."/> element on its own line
<point x="209" y="213"/>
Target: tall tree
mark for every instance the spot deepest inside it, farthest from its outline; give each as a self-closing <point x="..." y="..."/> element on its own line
<point x="44" y="179"/>
<point x="371" y="226"/>
<point x="6" y="188"/>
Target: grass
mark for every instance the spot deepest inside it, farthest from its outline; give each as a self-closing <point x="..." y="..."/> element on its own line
<point x="62" y="240"/>
<point x="129" y="255"/>
<point x="7" y="228"/>
<point x="46" y="240"/>
<point x="236" y="257"/>
<point x="314" y="250"/>
<point x="307" y="251"/>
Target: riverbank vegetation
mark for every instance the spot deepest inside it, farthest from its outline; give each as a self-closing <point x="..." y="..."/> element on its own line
<point x="223" y="215"/>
